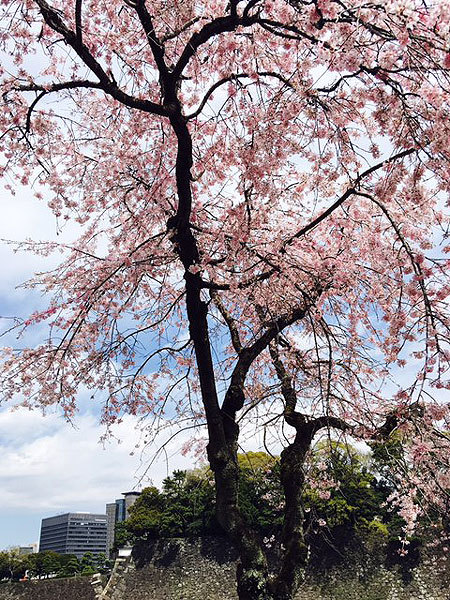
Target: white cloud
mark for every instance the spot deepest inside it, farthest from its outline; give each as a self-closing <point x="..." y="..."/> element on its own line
<point x="48" y="466"/>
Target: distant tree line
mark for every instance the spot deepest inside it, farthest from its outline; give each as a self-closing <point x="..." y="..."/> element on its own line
<point x="15" y="566"/>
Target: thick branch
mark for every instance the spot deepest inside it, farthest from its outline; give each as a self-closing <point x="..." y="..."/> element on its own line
<point x="176" y="32"/>
<point x="287" y="385"/>
<point x="210" y="30"/>
<point x="155" y="44"/>
<point x="54" y="21"/>
<point x="306" y="427"/>
<point x="234" y="398"/>
<point x="78" y="25"/>
<point x="327" y="422"/>
<point x="289" y="32"/>
<point x="56" y="87"/>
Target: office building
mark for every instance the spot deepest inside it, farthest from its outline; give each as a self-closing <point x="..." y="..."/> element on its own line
<point x="74" y="533"/>
<point x="117" y="512"/>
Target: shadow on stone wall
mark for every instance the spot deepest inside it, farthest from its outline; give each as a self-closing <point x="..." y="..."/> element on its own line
<point x="204" y="569"/>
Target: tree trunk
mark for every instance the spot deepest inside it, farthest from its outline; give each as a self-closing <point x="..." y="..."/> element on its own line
<point x="252" y="571"/>
<point x="295" y="550"/>
<point x="253" y="581"/>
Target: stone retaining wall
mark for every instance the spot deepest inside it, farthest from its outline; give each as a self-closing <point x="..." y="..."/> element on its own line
<point x="204" y="569"/>
<point x="72" y="588"/>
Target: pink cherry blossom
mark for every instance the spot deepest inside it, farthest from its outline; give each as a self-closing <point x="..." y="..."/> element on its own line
<point x="262" y="188"/>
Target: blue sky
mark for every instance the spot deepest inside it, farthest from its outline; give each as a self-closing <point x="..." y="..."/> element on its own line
<point x="48" y="466"/>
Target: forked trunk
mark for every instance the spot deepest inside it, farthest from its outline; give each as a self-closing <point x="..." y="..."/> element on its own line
<point x="253" y="579"/>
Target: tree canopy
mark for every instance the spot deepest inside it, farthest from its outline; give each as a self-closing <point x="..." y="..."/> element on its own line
<point x="262" y="189"/>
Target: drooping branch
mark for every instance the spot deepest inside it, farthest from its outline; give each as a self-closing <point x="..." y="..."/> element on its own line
<point x="415" y="264"/>
<point x="54" y="87"/>
<point x="234" y="331"/>
<point x="347" y="15"/>
<point x="230" y="78"/>
<point x="211" y="90"/>
<point x="349" y="192"/>
<point x="352" y="190"/>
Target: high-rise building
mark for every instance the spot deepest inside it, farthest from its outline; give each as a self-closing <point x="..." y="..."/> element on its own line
<point x="117" y="512"/>
<point x="74" y="533"/>
<point x="110" y="527"/>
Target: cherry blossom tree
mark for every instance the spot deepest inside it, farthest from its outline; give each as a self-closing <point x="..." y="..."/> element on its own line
<point x="262" y="188"/>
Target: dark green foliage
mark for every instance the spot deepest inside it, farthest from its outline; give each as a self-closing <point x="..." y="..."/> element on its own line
<point x="184" y="507"/>
<point x="349" y="510"/>
<point x="12" y="565"/>
<point x="4" y="572"/>
<point x="102" y="563"/>
<point x="44" y="564"/>
<point x="69" y="565"/>
<point x="145" y="517"/>
<point x="190" y="504"/>
<point x="88" y="566"/>
<point x="122" y="536"/>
